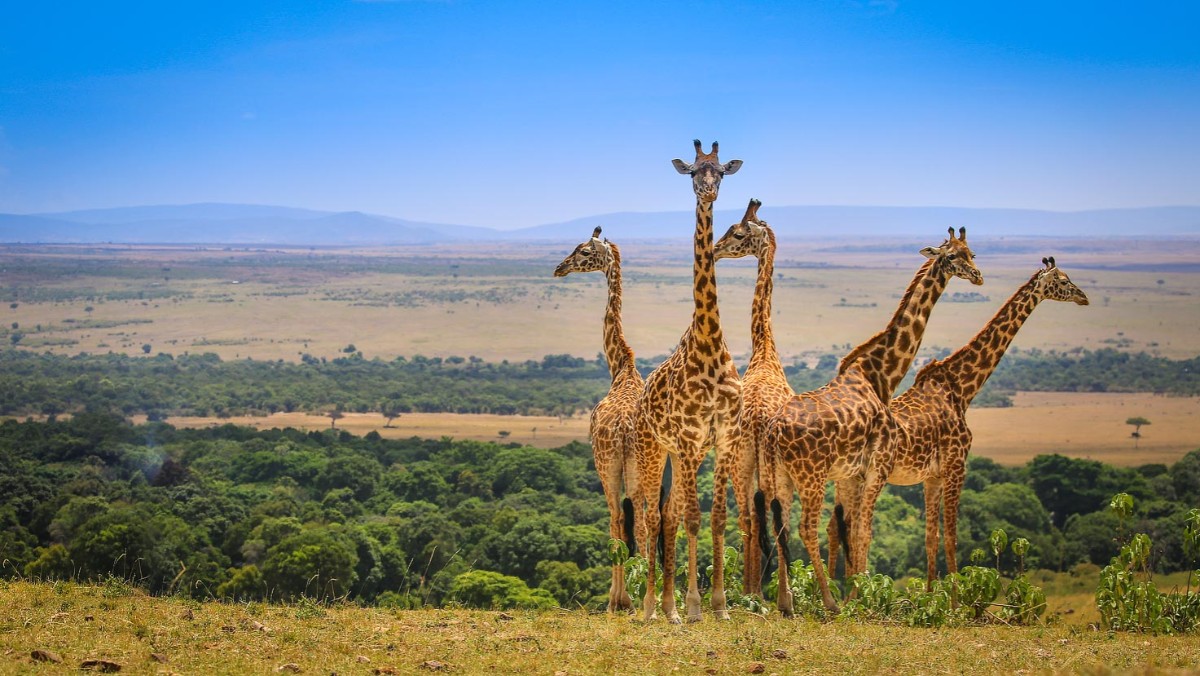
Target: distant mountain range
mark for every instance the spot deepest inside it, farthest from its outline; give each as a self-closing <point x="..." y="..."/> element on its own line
<point x="244" y="224"/>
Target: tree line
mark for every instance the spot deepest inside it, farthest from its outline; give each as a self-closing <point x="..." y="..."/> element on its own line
<point x="204" y="385"/>
<point x="235" y="513"/>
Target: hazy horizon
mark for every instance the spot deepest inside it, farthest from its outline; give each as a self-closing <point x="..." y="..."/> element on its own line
<point x="506" y="115"/>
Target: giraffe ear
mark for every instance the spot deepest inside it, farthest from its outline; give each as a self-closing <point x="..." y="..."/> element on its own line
<point x="731" y="167"/>
<point x="683" y="167"/>
<point x="931" y="251"/>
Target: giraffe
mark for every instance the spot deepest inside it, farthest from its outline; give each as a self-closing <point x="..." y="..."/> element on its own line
<point x="690" y="402"/>
<point x="612" y="422"/>
<point x="842" y="430"/>
<point x="764" y="386"/>
<point x="934" y="439"/>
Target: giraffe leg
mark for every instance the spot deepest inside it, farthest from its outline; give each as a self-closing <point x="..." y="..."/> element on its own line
<point x="933" y="518"/>
<point x="950" y="496"/>
<point x="633" y="489"/>
<point x="730" y="445"/>
<point x="650" y="464"/>
<point x="670" y="529"/>
<point x="720" y="479"/>
<point x="748" y="521"/>
<point x="781" y="511"/>
<point x="811" y="498"/>
<point x="689" y="510"/>
<point x="609" y="469"/>
<point x="865" y="515"/>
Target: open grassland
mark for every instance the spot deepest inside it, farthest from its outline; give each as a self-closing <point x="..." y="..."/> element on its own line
<point x="1087" y="425"/>
<point x="159" y="635"/>
<point x="500" y="301"/>
<point x="1082" y="425"/>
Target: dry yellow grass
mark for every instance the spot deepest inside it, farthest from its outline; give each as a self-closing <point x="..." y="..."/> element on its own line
<point x="549" y="316"/>
<point x="1081" y="425"/>
<point x="1087" y="425"/>
<point x="154" y="635"/>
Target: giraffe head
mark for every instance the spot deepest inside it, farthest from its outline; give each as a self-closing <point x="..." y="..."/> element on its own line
<point x="594" y="254"/>
<point x="956" y="256"/>
<point x="749" y="237"/>
<point x="706" y="172"/>
<point x="1054" y="284"/>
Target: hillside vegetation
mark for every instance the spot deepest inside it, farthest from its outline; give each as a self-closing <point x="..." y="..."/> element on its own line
<point x="240" y="514"/>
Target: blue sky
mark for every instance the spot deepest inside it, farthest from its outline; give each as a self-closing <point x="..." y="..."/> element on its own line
<point x="509" y="113"/>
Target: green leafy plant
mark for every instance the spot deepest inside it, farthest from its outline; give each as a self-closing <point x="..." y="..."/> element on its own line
<point x="1127" y="598"/>
<point x="999" y="542"/>
<point x="978" y="587"/>
<point x="1024" y="602"/>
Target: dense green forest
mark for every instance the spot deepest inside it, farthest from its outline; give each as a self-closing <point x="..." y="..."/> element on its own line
<point x="202" y="385"/>
<point x="232" y="512"/>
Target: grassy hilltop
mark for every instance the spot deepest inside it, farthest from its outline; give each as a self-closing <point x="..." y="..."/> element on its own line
<point x="164" y="635"/>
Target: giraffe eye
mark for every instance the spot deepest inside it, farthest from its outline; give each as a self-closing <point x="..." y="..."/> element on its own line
<point x="952" y="256"/>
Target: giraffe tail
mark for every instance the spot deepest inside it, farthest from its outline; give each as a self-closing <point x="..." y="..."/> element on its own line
<point x="630" y="537"/>
<point x="843" y="528"/>
<point x="781" y="531"/>
<point x="764" y="540"/>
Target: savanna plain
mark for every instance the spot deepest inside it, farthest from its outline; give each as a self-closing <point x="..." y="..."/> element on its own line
<point x="497" y="302"/>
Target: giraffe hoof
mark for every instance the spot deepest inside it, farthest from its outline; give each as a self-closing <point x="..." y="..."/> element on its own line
<point x="723" y="615"/>
<point x="674" y="619"/>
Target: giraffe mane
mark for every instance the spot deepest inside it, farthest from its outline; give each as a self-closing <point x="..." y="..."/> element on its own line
<point x="928" y="370"/>
<point x="872" y="342"/>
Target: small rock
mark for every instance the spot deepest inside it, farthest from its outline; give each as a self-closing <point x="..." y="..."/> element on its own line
<point x="105" y="666"/>
<point x="433" y="665"/>
<point x="40" y="655"/>
<point x="229" y="629"/>
<point x="710" y="670"/>
<point x="712" y="654"/>
<point x="159" y="657"/>
<point x="384" y="670"/>
<point x="89" y="618"/>
<point x="58" y="616"/>
<point x="253" y="625"/>
<point x="1062" y="641"/>
<point x="290" y="667"/>
<point x="779" y="654"/>
<point x="362" y="659"/>
<point x="756" y="668"/>
<point x="504" y="616"/>
<point x="188" y="614"/>
<point x="1043" y="653"/>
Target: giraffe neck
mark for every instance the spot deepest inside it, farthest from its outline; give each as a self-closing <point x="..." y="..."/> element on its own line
<point x="616" y="350"/>
<point x="763" y="353"/>
<point x="887" y="356"/>
<point x="970" y="367"/>
<point x="706" y="318"/>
